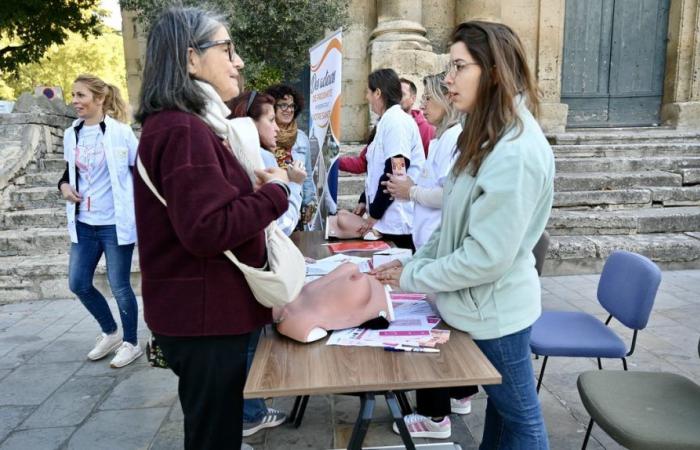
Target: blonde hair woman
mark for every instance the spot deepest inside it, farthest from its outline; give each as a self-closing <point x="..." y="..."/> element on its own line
<point x="100" y="150"/>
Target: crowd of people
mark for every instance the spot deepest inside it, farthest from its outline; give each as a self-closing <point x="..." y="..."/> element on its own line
<point x="466" y="182"/>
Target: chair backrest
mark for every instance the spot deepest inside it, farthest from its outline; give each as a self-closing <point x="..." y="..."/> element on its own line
<point x="628" y="286"/>
<point x="540" y="252"/>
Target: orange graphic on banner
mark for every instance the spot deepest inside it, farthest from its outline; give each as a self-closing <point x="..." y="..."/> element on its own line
<point x="333" y="44"/>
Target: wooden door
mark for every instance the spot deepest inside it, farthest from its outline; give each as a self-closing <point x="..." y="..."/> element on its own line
<point x="614" y="57"/>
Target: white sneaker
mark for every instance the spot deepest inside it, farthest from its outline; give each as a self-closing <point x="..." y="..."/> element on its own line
<point x="272" y="418"/>
<point x="126" y="354"/>
<point x="424" y="427"/>
<point x="106" y="343"/>
<point x="461" y="405"/>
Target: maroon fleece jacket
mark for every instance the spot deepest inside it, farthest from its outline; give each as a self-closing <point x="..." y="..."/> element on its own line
<point x="189" y="288"/>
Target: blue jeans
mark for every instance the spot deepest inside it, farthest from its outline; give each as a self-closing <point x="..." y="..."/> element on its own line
<point x="513" y="415"/>
<point x="93" y="240"/>
<point x="254" y="409"/>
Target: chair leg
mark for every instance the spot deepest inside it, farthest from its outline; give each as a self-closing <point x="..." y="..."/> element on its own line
<point x="624" y="363"/>
<point x="539" y="381"/>
<point x="600" y="365"/>
<point x="588" y="434"/>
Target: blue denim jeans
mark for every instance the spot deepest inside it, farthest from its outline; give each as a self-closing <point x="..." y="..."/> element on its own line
<point x="93" y="241"/>
<point x="513" y="415"/>
<point x="254" y="409"/>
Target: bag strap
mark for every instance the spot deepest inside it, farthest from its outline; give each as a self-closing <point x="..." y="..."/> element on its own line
<point x="146" y="179"/>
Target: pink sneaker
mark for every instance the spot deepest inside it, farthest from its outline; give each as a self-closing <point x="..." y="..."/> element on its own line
<point x="423" y="427"/>
<point x="461" y="405"/>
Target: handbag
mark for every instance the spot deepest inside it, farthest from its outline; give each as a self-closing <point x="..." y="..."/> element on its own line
<point x="281" y="279"/>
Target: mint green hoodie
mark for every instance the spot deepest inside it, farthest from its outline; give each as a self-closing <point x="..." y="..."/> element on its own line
<point x="479" y="262"/>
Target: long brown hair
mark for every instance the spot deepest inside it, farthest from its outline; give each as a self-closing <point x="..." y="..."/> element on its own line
<point x="504" y="75"/>
<point x="114" y="105"/>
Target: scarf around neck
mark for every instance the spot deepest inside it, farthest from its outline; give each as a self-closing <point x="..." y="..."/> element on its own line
<point x="286" y="138"/>
<point x="215" y="116"/>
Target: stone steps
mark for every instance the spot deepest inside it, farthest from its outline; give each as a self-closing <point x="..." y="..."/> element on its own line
<point x="624" y="135"/>
<point x="47" y="165"/>
<point x="643" y="150"/>
<point x="628" y="221"/>
<point x="30" y="241"/>
<point x="598" y="181"/>
<point x="618" y="164"/>
<point x="569" y="255"/>
<point x="569" y="181"/>
<point x="33" y="218"/>
<point x="24" y="278"/>
<point x="628" y="198"/>
<point x="36" y="197"/>
<point x="42" y="179"/>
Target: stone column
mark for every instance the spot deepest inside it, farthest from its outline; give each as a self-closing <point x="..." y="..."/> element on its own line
<point x="439" y="21"/>
<point x="134" y="54"/>
<point x="550" y="49"/>
<point x="488" y="10"/>
<point x="362" y="19"/>
<point x="399" y="42"/>
<point x="681" y="101"/>
<point x="540" y="26"/>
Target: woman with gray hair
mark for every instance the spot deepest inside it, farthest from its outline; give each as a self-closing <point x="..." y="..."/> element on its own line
<point x="197" y="304"/>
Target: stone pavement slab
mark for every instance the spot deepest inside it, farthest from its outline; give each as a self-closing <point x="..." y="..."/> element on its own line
<point x="51" y="397"/>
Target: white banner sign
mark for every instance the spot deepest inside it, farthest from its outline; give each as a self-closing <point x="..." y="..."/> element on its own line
<point x="324" y="114"/>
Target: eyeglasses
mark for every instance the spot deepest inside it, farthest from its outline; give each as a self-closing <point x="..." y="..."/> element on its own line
<point x="226" y="42"/>
<point x="286" y="106"/>
<point x="455" y="67"/>
<point x="251" y="99"/>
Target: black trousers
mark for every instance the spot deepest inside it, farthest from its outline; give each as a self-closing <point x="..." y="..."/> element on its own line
<point x="435" y="402"/>
<point x="400" y="240"/>
<point x="212" y="373"/>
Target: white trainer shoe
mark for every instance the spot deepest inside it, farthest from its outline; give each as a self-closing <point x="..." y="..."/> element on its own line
<point x="106" y="344"/>
<point x="424" y="427"/>
<point x="126" y="354"/>
<point x="461" y="405"/>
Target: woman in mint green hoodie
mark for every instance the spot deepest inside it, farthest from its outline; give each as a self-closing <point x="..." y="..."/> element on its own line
<point x="496" y="202"/>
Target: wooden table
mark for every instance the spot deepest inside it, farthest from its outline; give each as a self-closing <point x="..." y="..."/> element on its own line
<point x="283" y="367"/>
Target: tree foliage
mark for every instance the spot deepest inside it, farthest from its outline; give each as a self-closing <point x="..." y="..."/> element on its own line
<point x="30" y="27"/>
<point x="101" y="56"/>
<point x="273" y="38"/>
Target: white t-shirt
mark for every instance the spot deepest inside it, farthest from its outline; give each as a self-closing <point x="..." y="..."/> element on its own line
<point x="441" y="158"/>
<point x="97" y="205"/>
<point x="397" y="135"/>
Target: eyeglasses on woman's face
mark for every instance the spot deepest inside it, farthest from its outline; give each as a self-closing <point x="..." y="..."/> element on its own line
<point x="285" y="106"/>
<point x="457" y="66"/>
<point x="227" y="42"/>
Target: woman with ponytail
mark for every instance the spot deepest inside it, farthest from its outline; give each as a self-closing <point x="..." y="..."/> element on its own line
<point x="100" y="151"/>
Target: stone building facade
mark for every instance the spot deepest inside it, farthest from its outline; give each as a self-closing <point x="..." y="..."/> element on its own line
<point x="411" y="36"/>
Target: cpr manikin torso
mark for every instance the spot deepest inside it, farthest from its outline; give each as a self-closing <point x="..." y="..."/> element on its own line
<point x="345" y="225"/>
<point x="342" y="299"/>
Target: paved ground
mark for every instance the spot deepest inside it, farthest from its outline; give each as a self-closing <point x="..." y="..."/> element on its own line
<point x="52" y="398"/>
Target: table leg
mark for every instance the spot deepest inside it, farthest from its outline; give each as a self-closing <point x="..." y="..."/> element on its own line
<point x="398" y="419"/>
<point x="405" y="405"/>
<point x="298" y="410"/>
<point x="359" y="431"/>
